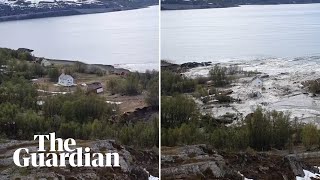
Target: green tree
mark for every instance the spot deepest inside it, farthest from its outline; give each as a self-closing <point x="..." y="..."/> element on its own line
<point x="219" y="76"/>
<point x="38" y="70"/>
<point x="131" y="86"/>
<point x="310" y="136"/>
<point x="173" y="83"/>
<point x="280" y="128"/>
<point x="53" y="74"/>
<point x="177" y="110"/>
<point x="259" y="130"/>
<point x="114" y="85"/>
<point x="153" y="93"/>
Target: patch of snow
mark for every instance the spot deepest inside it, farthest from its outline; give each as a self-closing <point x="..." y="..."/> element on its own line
<point x="40" y="103"/>
<point x="113" y="102"/>
<point x="308" y="175"/>
<point x="243" y="176"/>
<point x="52" y="92"/>
<point x="153" y="178"/>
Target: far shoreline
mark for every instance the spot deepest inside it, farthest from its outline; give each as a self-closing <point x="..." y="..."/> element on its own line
<point x="177" y="7"/>
<point x="65" y="13"/>
<point x="121" y="66"/>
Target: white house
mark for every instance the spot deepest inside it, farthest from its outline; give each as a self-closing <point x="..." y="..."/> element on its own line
<point x="65" y="80"/>
<point x="45" y="63"/>
<point x="257" y="82"/>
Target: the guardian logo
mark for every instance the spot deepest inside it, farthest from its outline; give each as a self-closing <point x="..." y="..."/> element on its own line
<point x="62" y="153"/>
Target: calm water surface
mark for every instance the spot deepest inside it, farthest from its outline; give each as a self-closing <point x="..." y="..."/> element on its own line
<point x="127" y="38"/>
<point x="246" y="31"/>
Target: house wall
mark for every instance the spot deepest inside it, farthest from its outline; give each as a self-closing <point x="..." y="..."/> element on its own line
<point x="100" y="90"/>
<point x="66" y="82"/>
<point x="257" y="83"/>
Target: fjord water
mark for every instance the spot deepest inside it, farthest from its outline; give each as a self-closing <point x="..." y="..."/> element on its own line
<point x="126" y="38"/>
<point x="241" y="32"/>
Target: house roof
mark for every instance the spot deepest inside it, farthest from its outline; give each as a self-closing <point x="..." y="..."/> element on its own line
<point x="44" y="60"/>
<point x="95" y="85"/>
<point x="65" y="76"/>
<point x="257" y="77"/>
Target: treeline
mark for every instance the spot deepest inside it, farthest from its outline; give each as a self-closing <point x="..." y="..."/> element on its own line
<point x="173" y="83"/>
<point x="183" y="124"/>
<point x="14" y="63"/>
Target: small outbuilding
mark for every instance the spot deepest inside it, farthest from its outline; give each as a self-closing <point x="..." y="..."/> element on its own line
<point x="95" y="87"/>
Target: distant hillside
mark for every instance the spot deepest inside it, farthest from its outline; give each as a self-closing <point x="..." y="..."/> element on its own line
<point x="203" y="4"/>
<point x="23" y="9"/>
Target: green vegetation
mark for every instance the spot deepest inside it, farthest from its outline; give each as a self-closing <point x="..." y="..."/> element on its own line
<point x="262" y="130"/>
<point x="177" y="110"/>
<point x="172" y="83"/>
<point x="78" y="115"/>
<point x="310" y="136"/>
<point x="53" y="74"/>
<point x="268" y="129"/>
<point x="134" y="83"/>
<point x="153" y="92"/>
<point x="314" y="87"/>
<point x="219" y="76"/>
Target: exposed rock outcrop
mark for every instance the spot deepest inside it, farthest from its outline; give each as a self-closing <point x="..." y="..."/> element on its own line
<point x="203" y="162"/>
<point x="192" y="162"/>
<point x="134" y="164"/>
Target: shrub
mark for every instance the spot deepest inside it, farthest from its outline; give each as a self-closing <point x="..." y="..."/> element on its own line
<point x="153" y="93"/>
<point x="172" y="83"/>
<point x="314" y="87"/>
<point x="131" y="86"/>
<point x="114" y="85"/>
<point x="53" y="74"/>
<point x="219" y="76"/>
<point x="177" y="110"/>
<point x="310" y="136"/>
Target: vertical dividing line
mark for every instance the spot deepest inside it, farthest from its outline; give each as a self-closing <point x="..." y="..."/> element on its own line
<point x="159" y="41"/>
